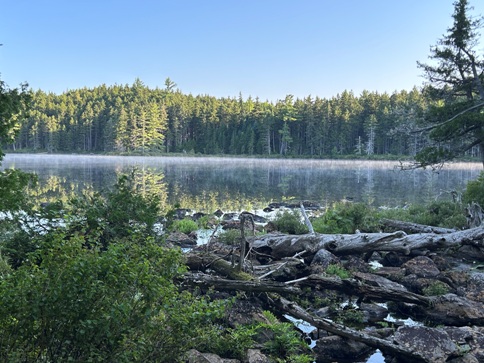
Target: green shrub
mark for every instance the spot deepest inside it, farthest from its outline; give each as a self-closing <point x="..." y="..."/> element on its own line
<point x="337" y="270"/>
<point x="445" y="214"/>
<point x="474" y="191"/>
<point x="118" y="304"/>
<point x="346" y="218"/>
<point x="185" y="225"/>
<point x="290" y="222"/>
<point x="286" y="342"/>
<point x="230" y="236"/>
<point x="98" y="288"/>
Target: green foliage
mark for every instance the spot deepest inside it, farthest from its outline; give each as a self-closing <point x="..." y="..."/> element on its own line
<point x="436" y="288"/>
<point x="444" y="214"/>
<point x="138" y="120"/>
<point x="230" y="236"/>
<point x="290" y="222"/>
<point x="474" y="191"/>
<point x="285" y="341"/>
<point x="346" y="218"/>
<point x="13" y="189"/>
<point x="13" y="106"/>
<point x="351" y="317"/>
<point x="89" y="290"/>
<point x="185" y="225"/>
<point x="229" y="343"/>
<point x="456" y="86"/>
<point x="337" y="270"/>
<point x="120" y="213"/>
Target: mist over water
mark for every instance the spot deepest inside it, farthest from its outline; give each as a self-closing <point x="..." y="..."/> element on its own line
<point x="378" y="183"/>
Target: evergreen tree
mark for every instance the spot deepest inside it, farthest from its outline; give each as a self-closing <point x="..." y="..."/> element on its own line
<point x="455" y="83"/>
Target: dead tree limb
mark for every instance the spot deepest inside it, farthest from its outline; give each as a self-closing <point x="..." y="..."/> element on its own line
<point x="298" y="312"/>
<point x="204" y="280"/>
<point x="306" y="218"/>
<point x="411" y="228"/>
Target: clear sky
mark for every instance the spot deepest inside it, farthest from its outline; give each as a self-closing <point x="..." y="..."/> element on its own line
<point x="261" y="48"/>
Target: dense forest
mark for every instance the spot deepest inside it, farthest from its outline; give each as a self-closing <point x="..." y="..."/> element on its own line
<point x="137" y="119"/>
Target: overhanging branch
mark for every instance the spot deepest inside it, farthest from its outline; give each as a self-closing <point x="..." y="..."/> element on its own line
<point x="479" y="105"/>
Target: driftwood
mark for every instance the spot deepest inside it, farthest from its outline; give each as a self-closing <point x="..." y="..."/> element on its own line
<point x="411" y="228"/>
<point x="306" y="218"/>
<point x="204" y="261"/>
<point x="358" y="287"/>
<point x="448" y="309"/>
<point x="386" y="346"/>
<point x="279" y="246"/>
<point x="203" y="280"/>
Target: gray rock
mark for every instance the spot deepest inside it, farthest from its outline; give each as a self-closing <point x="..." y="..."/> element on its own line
<point x="434" y="345"/>
<point x="421" y="266"/>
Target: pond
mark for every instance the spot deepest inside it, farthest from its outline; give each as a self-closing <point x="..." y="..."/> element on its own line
<point x="209" y="183"/>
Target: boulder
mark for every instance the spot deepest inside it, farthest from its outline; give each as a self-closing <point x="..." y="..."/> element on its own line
<point x="435" y="345"/>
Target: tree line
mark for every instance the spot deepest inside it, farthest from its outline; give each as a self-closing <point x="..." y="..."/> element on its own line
<point x="432" y="125"/>
<point x="137" y="119"/>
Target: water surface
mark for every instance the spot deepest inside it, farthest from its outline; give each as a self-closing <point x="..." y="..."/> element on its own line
<point x="221" y="180"/>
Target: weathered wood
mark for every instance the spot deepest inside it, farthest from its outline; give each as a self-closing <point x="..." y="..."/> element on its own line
<point x="204" y="280"/>
<point x="203" y="261"/>
<point x="298" y="312"/>
<point x="306" y="218"/>
<point x="358" y="287"/>
<point x="411" y="228"/>
<point x="344" y="244"/>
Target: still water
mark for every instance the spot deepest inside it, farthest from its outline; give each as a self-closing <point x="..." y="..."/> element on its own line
<point x="214" y="182"/>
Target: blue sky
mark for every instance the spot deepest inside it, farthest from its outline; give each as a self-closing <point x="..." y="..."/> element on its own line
<point x="261" y="48"/>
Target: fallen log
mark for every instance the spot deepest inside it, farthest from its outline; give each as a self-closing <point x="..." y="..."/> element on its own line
<point x="411" y="228"/>
<point x="390" y="291"/>
<point x="279" y="246"/>
<point x="203" y="280"/>
<point x="447" y="309"/>
<point x="204" y="261"/>
<point x="386" y="346"/>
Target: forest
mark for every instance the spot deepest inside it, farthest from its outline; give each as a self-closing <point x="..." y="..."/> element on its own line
<point x="136" y="119"/>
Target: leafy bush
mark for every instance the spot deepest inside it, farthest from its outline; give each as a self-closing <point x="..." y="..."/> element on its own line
<point x="346" y="218"/>
<point x="185" y="225"/>
<point x="474" y="191"/>
<point x="230" y="236"/>
<point x="85" y="304"/>
<point x="98" y="287"/>
<point x="445" y="214"/>
<point x="290" y="222"/>
<point x="286" y="343"/>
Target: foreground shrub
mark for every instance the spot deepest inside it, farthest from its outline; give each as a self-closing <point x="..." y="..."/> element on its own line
<point x="185" y="225"/>
<point x="81" y="304"/>
<point x="347" y="218"/>
<point x="290" y="222"/>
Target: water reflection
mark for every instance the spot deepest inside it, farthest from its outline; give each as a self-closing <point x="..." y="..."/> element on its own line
<point x="235" y="183"/>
